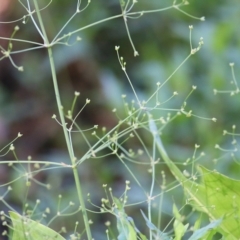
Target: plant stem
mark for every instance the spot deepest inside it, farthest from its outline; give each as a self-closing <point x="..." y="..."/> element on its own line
<point x="152" y="186"/>
<point x="63" y="123"/>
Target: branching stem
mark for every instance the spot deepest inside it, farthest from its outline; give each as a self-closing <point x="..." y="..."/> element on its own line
<point x="62" y="119"/>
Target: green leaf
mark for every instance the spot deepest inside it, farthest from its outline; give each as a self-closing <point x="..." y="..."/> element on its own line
<point x="125" y="229"/>
<point x="27" y="229"/>
<point x="197" y="223"/>
<point x="152" y="227"/>
<point x="125" y="224"/>
<point x="209" y="235"/>
<point x="118" y="204"/>
<point x="142" y="236"/>
<point x="217" y="195"/>
<point x="220" y="198"/>
<point x="203" y="231"/>
<point x="179" y="227"/>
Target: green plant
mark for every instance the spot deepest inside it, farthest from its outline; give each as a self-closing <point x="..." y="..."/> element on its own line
<point x="134" y="139"/>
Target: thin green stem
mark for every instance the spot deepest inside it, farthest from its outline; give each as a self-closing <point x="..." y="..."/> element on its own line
<point x="20" y="40"/>
<point x="63" y="123"/>
<point x="152" y="185"/>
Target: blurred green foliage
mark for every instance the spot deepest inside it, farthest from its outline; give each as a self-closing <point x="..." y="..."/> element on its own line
<point x="92" y="68"/>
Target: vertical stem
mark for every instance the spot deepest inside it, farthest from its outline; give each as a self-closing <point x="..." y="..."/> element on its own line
<point x="63" y="123"/>
<point x="152" y="186"/>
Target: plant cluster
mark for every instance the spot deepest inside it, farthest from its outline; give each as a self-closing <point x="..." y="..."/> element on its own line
<point x="204" y="203"/>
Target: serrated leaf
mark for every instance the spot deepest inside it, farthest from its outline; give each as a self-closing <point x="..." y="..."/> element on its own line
<point x="28" y="229"/>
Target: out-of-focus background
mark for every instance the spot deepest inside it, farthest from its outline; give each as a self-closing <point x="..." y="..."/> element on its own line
<point x="91" y="66"/>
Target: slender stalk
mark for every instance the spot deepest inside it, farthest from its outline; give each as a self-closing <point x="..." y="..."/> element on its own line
<point x="152" y="186"/>
<point x="63" y="123"/>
